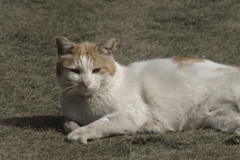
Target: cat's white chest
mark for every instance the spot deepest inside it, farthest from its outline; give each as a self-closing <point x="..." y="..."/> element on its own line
<point x="85" y="111"/>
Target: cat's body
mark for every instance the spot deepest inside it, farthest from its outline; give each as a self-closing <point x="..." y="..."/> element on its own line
<point x="172" y="94"/>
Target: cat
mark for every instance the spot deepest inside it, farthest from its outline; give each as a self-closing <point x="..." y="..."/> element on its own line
<point x="101" y="98"/>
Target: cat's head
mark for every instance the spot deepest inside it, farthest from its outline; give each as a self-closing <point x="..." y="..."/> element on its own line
<point x="84" y="67"/>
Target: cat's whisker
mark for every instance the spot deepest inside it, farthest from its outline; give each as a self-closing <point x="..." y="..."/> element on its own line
<point x="65" y="89"/>
<point x="70" y="93"/>
<point x="67" y="94"/>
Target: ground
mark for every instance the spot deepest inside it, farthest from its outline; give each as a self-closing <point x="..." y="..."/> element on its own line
<point x="30" y="119"/>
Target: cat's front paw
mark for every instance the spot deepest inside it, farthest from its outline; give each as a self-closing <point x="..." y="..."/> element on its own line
<point x="78" y="135"/>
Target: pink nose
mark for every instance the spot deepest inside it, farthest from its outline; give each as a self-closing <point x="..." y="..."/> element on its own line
<point x="86" y="84"/>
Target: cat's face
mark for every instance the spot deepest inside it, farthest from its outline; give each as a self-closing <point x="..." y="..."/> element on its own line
<point x="83" y="68"/>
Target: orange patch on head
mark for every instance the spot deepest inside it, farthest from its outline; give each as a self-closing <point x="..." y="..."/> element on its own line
<point x="64" y="62"/>
<point x="90" y="51"/>
<point x="84" y="49"/>
<point x="106" y="63"/>
<point x="186" y="61"/>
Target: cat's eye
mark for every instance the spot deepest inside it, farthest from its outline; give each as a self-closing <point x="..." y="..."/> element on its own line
<point x="96" y="70"/>
<point x="75" y="71"/>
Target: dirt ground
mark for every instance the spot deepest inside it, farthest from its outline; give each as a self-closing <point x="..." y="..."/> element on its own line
<point x="30" y="119"/>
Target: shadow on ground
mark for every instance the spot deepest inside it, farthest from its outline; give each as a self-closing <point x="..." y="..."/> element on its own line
<point x="38" y="123"/>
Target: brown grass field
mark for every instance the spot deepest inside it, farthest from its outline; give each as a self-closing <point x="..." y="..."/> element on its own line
<point x="30" y="119"/>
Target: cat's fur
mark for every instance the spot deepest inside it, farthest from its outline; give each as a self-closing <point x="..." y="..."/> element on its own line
<point x="159" y="95"/>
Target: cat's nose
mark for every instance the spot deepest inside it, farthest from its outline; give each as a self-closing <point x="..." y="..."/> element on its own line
<point x="86" y="84"/>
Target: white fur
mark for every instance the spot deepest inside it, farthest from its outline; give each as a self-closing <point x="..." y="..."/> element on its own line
<point x="156" y="96"/>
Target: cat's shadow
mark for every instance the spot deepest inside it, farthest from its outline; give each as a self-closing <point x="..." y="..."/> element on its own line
<point x="36" y="123"/>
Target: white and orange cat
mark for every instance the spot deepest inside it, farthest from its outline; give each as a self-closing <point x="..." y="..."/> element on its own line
<point x="101" y="98"/>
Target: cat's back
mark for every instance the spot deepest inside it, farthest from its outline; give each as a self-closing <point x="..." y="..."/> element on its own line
<point x="178" y="78"/>
<point x="181" y="68"/>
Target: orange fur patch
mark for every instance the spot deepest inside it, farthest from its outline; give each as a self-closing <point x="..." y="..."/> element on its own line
<point x="90" y="51"/>
<point x="186" y="61"/>
<point x="238" y="68"/>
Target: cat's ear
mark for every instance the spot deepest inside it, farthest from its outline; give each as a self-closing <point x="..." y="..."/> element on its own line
<point x="107" y="47"/>
<point x="64" y="46"/>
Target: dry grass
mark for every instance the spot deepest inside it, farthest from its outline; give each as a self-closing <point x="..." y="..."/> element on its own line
<point x="30" y="121"/>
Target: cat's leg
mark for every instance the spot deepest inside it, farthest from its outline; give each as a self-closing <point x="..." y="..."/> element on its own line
<point x="122" y="122"/>
<point x="236" y="136"/>
<point x="69" y="126"/>
<point x="229" y="122"/>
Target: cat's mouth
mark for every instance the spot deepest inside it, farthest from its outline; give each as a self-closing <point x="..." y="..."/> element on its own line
<point x="84" y="91"/>
<point x="78" y="90"/>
